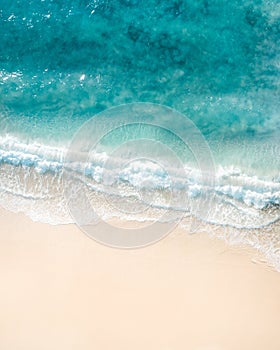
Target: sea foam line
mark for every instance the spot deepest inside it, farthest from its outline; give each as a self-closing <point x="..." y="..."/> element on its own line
<point x="230" y="182"/>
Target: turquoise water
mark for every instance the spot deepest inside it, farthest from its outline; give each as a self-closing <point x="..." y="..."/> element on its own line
<point x="217" y="62"/>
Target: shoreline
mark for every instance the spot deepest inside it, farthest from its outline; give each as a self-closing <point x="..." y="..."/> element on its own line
<point x="60" y="290"/>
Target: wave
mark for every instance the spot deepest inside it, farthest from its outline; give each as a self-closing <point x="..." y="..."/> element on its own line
<point x="245" y="195"/>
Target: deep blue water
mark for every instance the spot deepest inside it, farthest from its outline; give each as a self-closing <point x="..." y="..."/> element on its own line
<point x="216" y="61"/>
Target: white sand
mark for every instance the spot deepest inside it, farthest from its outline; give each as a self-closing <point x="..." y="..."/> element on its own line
<point x="61" y="290"/>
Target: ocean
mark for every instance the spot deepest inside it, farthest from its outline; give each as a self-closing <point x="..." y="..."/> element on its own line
<point x="214" y="62"/>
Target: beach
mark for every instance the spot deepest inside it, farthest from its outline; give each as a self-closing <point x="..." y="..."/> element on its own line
<point x="140" y="113"/>
<point x="62" y="290"/>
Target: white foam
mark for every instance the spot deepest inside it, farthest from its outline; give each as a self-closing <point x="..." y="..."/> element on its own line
<point x="233" y="189"/>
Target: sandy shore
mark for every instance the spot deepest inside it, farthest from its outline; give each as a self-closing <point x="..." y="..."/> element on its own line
<point x="61" y="290"/>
